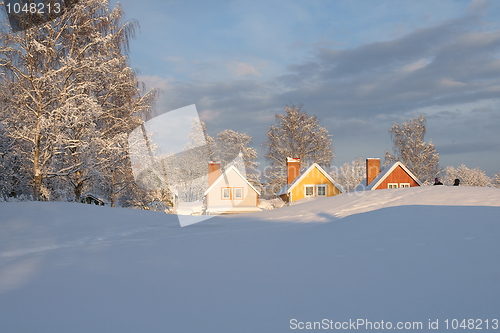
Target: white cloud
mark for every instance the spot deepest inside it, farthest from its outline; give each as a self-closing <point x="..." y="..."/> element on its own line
<point x="242" y="69"/>
<point x="450" y="83"/>
<point x="419" y="64"/>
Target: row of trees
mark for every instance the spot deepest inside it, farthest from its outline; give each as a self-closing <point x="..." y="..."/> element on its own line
<point x="469" y="177"/>
<point x="69" y="101"/>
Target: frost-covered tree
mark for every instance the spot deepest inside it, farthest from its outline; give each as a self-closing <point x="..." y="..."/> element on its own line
<point x="228" y="144"/>
<point x="298" y="135"/>
<point x="12" y="173"/>
<point x="419" y="157"/>
<point x="350" y="175"/>
<point x="71" y="97"/>
<point x="496" y="180"/>
<point x="468" y="177"/>
<point x="152" y="171"/>
<point x="188" y="173"/>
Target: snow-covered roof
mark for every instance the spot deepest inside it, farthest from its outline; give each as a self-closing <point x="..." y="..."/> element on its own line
<point x="287" y="188"/>
<point x="361" y="186"/>
<point x="386" y="172"/>
<point x="224" y="174"/>
<point x="95" y="197"/>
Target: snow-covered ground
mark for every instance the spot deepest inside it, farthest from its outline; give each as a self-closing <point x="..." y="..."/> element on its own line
<point x="190" y="208"/>
<point x="403" y="255"/>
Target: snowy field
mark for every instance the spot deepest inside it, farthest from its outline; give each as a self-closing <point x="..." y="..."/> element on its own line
<point x="398" y="256"/>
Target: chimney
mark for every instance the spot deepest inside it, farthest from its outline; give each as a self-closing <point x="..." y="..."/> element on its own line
<point x="213" y="172"/>
<point x="372" y="169"/>
<point x="293" y="169"/>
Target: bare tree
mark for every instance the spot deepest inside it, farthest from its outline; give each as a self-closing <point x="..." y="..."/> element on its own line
<point x="299" y="135"/>
<point x="409" y="148"/>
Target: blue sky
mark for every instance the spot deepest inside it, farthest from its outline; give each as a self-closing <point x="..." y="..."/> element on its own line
<point x="359" y="66"/>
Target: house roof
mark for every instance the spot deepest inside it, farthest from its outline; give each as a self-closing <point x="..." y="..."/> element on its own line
<point x="287" y="188"/>
<point x="386" y="172"/>
<point x="224" y="174"/>
<point x="94" y="196"/>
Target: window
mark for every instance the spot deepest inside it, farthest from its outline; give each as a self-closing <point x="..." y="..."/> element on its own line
<point x="238" y="192"/>
<point x="403" y="185"/>
<point x="321" y="190"/>
<point x="309" y="190"/>
<point x="392" y="185"/>
<point x="226" y="193"/>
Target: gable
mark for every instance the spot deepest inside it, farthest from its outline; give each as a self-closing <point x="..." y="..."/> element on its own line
<point x="395" y="173"/>
<point x="231" y="178"/>
<point x="398" y="175"/>
<point x="314" y="175"/>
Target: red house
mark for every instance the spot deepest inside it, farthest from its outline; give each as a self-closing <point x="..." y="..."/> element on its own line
<point x="395" y="175"/>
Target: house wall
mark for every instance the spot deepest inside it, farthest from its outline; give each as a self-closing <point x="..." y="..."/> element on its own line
<point x="315" y="177"/>
<point x="398" y="175"/>
<point x="214" y="197"/>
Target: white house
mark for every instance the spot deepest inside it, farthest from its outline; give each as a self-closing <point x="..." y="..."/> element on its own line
<point x="229" y="192"/>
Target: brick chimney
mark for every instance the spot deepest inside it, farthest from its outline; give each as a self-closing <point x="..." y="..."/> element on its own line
<point x="372" y="169"/>
<point x="213" y="172"/>
<point x="293" y="169"/>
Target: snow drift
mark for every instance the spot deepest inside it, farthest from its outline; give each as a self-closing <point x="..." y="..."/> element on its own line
<point x="404" y="255"/>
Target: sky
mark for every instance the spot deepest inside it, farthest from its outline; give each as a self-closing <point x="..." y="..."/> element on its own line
<point x="359" y="66"/>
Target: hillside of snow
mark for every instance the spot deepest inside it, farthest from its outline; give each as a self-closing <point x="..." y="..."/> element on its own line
<point x="414" y="255"/>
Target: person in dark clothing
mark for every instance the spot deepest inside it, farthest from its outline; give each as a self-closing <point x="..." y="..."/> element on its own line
<point x="457" y="182"/>
<point x="437" y="182"/>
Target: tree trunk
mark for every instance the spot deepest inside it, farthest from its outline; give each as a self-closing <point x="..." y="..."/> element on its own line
<point x="37" y="187"/>
<point x="112" y="196"/>
<point x="78" y="191"/>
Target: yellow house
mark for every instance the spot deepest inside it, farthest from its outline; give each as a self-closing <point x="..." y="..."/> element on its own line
<point x="312" y="182"/>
